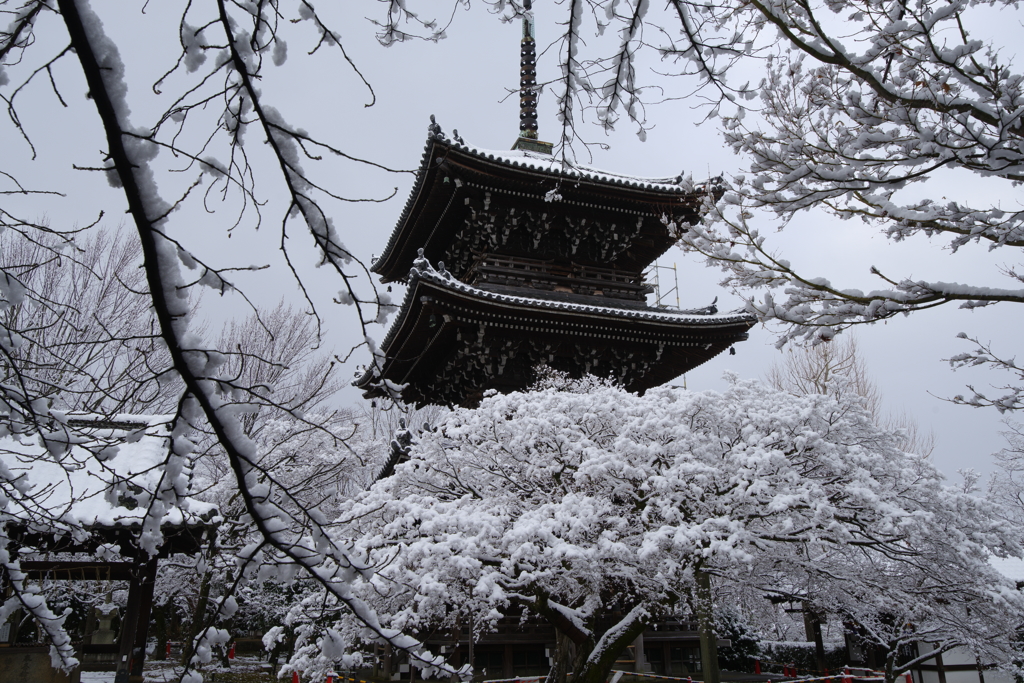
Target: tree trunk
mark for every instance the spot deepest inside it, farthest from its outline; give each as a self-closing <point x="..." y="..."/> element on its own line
<point x="593" y="660"/>
<point x="706" y="625"/>
<point x="890" y="666"/>
<point x="591" y="666"/>
<point x="564" y="655"/>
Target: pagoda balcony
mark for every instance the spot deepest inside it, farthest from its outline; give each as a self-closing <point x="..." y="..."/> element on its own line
<point x="490" y="270"/>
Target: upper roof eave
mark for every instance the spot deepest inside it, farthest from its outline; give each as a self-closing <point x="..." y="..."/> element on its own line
<point x="523" y="164"/>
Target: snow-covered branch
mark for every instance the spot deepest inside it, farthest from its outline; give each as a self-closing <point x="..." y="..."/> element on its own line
<point x="983" y="356"/>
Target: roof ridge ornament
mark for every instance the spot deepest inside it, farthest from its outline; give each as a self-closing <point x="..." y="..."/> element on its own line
<point x="527" y="140"/>
<point x="434" y="130"/>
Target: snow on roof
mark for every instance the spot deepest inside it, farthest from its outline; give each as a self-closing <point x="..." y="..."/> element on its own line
<point x="555" y="167"/>
<point x="548" y="163"/>
<point x="422" y="270"/>
<point x="97" y="471"/>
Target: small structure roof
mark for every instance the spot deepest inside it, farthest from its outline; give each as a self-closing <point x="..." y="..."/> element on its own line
<point x="96" y="479"/>
<point x="1010" y="567"/>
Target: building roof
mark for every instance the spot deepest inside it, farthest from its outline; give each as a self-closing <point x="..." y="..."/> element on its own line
<point x="452" y="341"/>
<point x="545" y="264"/>
<point x="556" y="167"/>
<point x="706" y="317"/>
<point x="1010" y="567"/>
<point x="453" y="175"/>
<point x="96" y="474"/>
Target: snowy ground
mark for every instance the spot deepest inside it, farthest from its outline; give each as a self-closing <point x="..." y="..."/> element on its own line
<point x="242" y="670"/>
<point x="249" y="670"/>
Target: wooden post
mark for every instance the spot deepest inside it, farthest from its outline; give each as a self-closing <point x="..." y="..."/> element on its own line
<point x="163" y="649"/>
<point x="198" y="616"/>
<point x="469" y="646"/>
<point x="135" y="623"/>
<point x="640" y="659"/>
<point x="91" y="623"/>
<point x="706" y="627"/>
<point x="146" y="587"/>
<point x="812" y="625"/>
<point x="129" y="624"/>
<point x="941" y="667"/>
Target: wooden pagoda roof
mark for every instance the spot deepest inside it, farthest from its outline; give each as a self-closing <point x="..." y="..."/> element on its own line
<point x="638" y="218"/>
<point x="451" y="342"/>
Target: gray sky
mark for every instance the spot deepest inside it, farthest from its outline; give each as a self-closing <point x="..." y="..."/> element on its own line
<point x="464" y="80"/>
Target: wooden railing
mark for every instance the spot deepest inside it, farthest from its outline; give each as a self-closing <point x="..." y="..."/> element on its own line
<point x="546" y="275"/>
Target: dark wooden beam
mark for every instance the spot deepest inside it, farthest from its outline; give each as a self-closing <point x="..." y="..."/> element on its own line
<point x="62" y="570"/>
<point x="185" y="539"/>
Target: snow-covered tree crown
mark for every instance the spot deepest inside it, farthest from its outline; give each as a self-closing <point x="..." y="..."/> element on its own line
<point x="572" y="505"/>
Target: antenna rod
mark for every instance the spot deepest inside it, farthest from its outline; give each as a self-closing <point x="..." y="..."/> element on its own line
<point x="528" y="77"/>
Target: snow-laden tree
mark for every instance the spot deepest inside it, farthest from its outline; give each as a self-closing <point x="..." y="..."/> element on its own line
<point x="201" y="134"/>
<point x="881" y="130"/>
<point x="320" y="461"/>
<point x="601" y="511"/>
<point x="909" y="97"/>
<point x="1006" y="485"/>
<point x="278" y="352"/>
<point x="932" y="588"/>
<point x="837" y="367"/>
<point x="86" y="338"/>
<point x="89" y="343"/>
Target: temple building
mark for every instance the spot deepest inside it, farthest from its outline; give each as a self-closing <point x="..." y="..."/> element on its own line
<point x="514" y="260"/>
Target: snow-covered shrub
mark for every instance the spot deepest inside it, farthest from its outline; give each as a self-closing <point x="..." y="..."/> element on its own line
<point x="744" y="642"/>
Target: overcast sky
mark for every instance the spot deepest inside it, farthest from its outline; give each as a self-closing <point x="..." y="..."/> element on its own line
<point x="464" y="80"/>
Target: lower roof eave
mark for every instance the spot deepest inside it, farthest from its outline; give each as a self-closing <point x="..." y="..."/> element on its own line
<point x="439" y="321"/>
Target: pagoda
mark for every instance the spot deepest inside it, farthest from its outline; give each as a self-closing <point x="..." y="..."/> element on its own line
<point x="515" y="260"/>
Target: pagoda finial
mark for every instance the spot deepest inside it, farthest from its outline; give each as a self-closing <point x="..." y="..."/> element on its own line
<point x="528" y="77"/>
<point x="527" y="139"/>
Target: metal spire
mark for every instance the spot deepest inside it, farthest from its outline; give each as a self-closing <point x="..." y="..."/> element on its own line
<point x="527" y="139"/>
<point x="528" y="77"/>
